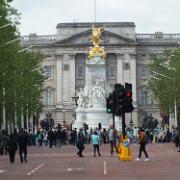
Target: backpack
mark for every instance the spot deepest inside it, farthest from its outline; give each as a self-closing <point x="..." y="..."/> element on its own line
<point x="142" y="138"/>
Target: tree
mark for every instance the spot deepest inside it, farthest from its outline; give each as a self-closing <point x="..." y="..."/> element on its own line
<point x="165" y="81"/>
<point x="8" y="48"/>
<point x="21" y="78"/>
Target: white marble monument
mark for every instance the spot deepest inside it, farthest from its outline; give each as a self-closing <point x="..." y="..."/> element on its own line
<point x="92" y="99"/>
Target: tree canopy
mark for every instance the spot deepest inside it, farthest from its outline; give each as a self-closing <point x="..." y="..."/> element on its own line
<point x="164" y="82"/>
<point x="21" y="76"/>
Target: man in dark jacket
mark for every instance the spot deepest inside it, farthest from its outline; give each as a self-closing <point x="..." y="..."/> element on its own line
<point x="12" y="147"/>
<point x="22" y="143"/>
<point x="80" y="142"/>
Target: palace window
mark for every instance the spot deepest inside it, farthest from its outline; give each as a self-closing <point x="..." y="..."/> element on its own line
<point x="145" y="97"/>
<point x="111" y="66"/>
<point x="143" y="72"/>
<point x="111" y="71"/>
<point x="126" y="66"/>
<point x="48" y="70"/>
<point x="80" y="71"/>
<point x="49" y="93"/>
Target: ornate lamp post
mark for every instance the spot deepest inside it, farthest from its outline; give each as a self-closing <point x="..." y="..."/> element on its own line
<point x="75" y="99"/>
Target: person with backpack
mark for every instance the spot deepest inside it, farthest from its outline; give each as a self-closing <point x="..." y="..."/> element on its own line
<point x="142" y="141"/>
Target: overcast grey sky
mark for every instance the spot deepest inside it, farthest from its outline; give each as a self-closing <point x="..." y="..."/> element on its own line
<point x="42" y="16"/>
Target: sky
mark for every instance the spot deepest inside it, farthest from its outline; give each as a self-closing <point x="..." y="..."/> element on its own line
<point x="149" y="16"/>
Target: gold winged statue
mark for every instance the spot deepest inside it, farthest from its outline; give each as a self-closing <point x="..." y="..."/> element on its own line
<point x="96" y="49"/>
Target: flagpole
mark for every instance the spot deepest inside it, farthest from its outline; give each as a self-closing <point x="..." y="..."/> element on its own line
<point x="95" y="4"/>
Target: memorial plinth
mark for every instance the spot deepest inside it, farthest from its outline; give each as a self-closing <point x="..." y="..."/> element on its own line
<point x="92" y="99"/>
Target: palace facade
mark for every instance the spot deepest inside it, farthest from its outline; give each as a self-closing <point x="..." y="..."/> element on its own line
<point x="128" y="56"/>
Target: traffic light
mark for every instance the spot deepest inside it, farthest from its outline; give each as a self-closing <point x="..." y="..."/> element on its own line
<point x="128" y="106"/>
<point x="99" y="126"/>
<point x="110" y="103"/>
<point x="119" y="96"/>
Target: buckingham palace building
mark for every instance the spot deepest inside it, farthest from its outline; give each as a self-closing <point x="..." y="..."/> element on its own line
<point x="128" y="56"/>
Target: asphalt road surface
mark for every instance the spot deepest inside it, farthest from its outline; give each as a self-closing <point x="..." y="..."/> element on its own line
<point x="63" y="164"/>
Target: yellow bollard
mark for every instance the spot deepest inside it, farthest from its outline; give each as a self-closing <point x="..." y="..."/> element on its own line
<point x="124" y="150"/>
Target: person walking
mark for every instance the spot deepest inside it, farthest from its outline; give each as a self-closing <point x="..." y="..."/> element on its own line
<point x="112" y="135"/>
<point x="39" y="137"/>
<point x="104" y="136"/>
<point x="51" y="138"/>
<point x="96" y="142"/>
<point x="142" y="148"/>
<point x="80" y="142"/>
<point x="176" y="135"/>
<point x="12" y="147"/>
<point x="22" y="143"/>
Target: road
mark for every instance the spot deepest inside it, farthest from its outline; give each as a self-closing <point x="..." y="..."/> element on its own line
<point x="63" y="164"/>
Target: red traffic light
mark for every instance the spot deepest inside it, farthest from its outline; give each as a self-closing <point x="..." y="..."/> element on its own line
<point x="129" y="94"/>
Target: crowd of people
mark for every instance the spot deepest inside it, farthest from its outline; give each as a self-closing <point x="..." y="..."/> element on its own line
<point x="9" y="144"/>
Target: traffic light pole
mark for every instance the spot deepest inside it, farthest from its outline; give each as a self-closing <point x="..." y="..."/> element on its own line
<point x="114" y="105"/>
<point x="113" y="116"/>
<point x="123" y="124"/>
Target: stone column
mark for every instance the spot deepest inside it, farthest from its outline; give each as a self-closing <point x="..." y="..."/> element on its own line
<point x="59" y="78"/>
<point x="133" y="77"/>
<point x="68" y="77"/>
<point x="72" y="74"/>
<point x="133" y="81"/>
<point x="120" y="73"/>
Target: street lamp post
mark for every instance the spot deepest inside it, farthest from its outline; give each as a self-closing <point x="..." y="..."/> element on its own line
<point x="63" y="115"/>
<point x="4" y="110"/>
<point x="75" y="99"/>
<point x="131" y="122"/>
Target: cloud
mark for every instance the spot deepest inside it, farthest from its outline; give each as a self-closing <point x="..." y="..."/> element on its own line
<point x="149" y="15"/>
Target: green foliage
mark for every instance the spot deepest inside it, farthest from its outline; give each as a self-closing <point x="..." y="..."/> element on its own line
<point x="165" y="78"/>
<point x="20" y="76"/>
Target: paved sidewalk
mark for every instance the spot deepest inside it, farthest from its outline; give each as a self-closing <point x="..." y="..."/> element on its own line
<point x="63" y="164"/>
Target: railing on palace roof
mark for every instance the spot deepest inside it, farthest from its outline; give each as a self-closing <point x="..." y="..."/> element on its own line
<point x="38" y="38"/>
<point x="34" y="38"/>
<point x="157" y="36"/>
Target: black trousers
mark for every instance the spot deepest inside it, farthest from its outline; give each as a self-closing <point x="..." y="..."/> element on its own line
<point x="23" y="151"/>
<point x="113" y="144"/>
<point x="80" y="148"/>
<point x="12" y="156"/>
<point x="96" y="147"/>
<point x="142" y="148"/>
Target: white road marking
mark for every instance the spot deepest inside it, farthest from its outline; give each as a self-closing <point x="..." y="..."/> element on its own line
<point x="105" y="168"/>
<point x="35" y="169"/>
<point x="79" y="169"/>
<point x="2" y="171"/>
<point x="69" y="169"/>
<point x="74" y="169"/>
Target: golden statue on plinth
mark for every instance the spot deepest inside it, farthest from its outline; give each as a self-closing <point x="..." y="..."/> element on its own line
<point x="96" y="50"/>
